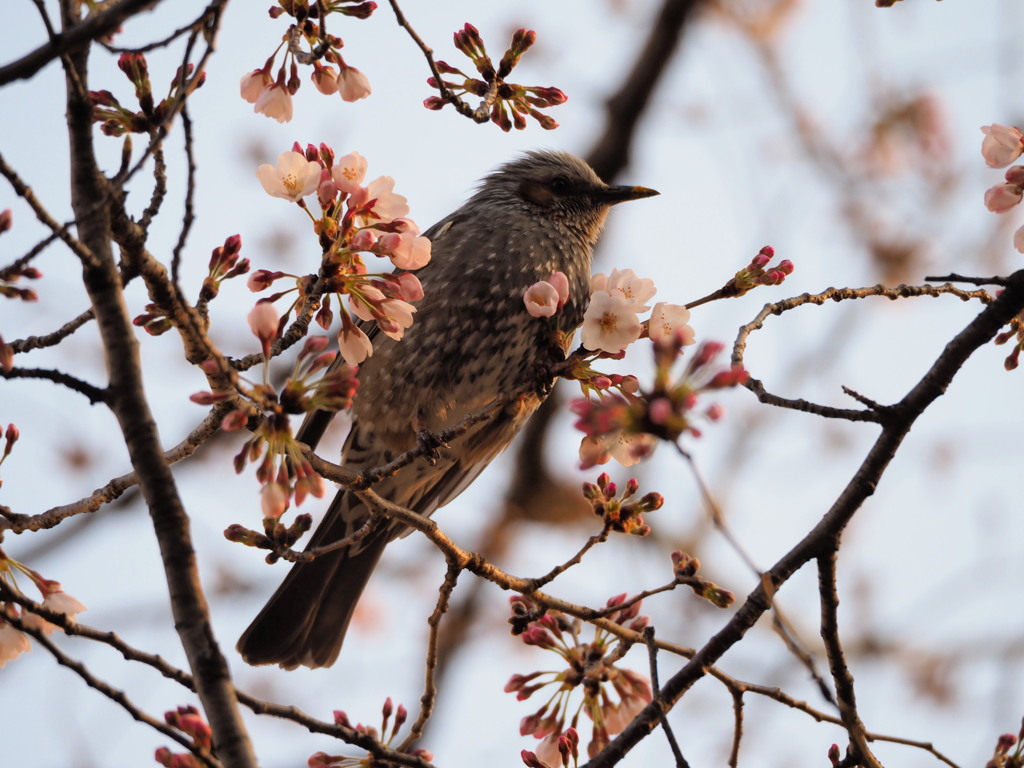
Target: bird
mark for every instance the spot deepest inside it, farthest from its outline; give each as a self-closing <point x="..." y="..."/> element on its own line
<point x="472" y="343"/>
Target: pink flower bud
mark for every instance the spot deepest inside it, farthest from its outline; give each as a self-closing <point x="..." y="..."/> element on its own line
<point x="409" y="287"/>
<point x="1001" y="145"/>
<point x="1015" y="175"/>
<point x="363" y="240"/>
<point x="6" y="219"/>
<point x="263" y="321"/>
<point x="273" y="500"/>
<point x="1002" y="197"/>
<point x="325" y="79"/>
<point x="561" y="284"/>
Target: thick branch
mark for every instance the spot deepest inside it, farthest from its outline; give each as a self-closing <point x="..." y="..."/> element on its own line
<point x="131" y="408"/>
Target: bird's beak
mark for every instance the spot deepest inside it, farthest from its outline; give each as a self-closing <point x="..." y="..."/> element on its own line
<point x="613" y="195"/>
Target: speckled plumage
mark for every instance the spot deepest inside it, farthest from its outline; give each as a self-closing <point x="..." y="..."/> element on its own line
<point x="472" y="341"/>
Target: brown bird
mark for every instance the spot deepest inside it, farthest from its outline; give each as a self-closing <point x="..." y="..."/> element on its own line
<point x="472" y="342"/>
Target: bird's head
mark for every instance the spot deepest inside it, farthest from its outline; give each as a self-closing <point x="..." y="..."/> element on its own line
<point x="559" y="187"/>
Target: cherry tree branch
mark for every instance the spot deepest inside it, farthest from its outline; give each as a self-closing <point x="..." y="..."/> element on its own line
<point x="824" y="537"/>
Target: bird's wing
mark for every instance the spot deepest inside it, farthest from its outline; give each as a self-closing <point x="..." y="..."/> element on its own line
<point x="313" y="427"/>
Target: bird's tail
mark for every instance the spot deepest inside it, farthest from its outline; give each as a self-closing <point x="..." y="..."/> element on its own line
<point x="305" y="620"/>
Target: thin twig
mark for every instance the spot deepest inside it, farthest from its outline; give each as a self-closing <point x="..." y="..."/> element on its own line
<point x="841" y="674"/>
<point x="429" y="697"/>
<point x="652" y="658"/>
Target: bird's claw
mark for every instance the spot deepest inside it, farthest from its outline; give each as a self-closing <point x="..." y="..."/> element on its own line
<point x="429" y="445"/>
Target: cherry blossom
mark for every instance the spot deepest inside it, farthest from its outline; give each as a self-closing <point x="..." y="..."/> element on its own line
<point x="610" y="323"/>
<point x="636" y="290"/>
<point x="381" y="201"/>
<point x="561" y="284"/>
<point x="1002" y="145"/>
<point x="13" y="643"/>
<point x="325" y="79"/>
<point x="354" y="345"/>
<point x="263" y="321"/>
<point x="669" y="321"/>
<point x="275" y="101"/>
<point x="397" y="317"/>
<point x="1018" y="239"/>
<point x="352" y="84"/>
<point x="1002" y="197"/>
<point x="349" y="171"/>
<point x="273" y="500"/>
<point x="58" y="601"/>
<point x="253" y="84"/>
<point x="541" y="299"/>
<point x="294" y="178"/>
<point x="412" y="251"/>
<point x="409" y="287"/>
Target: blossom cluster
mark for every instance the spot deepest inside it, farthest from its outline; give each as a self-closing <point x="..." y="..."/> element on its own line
<point x="271" y="93"/>
<point x="611" y="322"/>
<point x="510" y="104"/>
<point x="759" y="272"/>
<point x="284" y="472"/>
<point x="618" y="513"/>
<point x="323" y="760"/>
<point x="354" y="220"/>
<point x="611" y="695"/>
<point x="224" y="265"/>
<point x="1002" y="146"/>
<point x="189" y="722"/>
<point x="116" y="120"/>
<point x="626" y="426"/>
<point x="13" y="642"/>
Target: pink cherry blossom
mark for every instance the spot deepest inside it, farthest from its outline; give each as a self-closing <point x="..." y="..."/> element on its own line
<point x="388" y="205"/>
<point x="1002" y="197"/>
<point x="274" y="101"/>
<point x="363" y="304"/>
<point x="253" y="83"/>
<point x="58" y="601"/>
<point x="409" y="287"/>
<point x="13" y="643"/>
<point x="636" y="290"/>
<point x="610" y="323"/>
<point x="325" y="79"/>
<point x="669" y="324"/>
<point x="630" y="449"/>
<point x="1001" y="145"/>
<point x="547" y="750"/>
<point x="561" y="284"/>
<point x="412" y="251"/>
<point x="397" y="317"/>
<point x="263" y="321"/>
<point x="353" y="84"/>
<point x="354" y="345"/>
<point x="363" y="240"/>
<point x="294" y="178"/>
<point x="541" y="299"/>
<point x="349" y="171"/>
<point x="594" y="451"/>
<point x="273" y="500"/>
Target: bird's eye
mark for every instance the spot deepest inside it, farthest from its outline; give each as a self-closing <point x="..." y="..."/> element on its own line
<point x="559" y="185"/>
